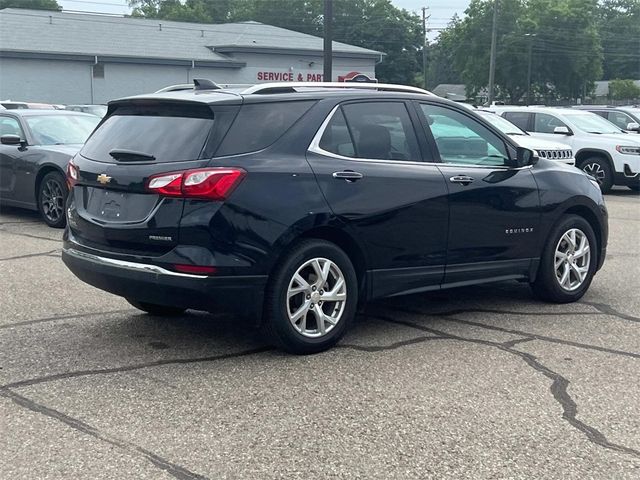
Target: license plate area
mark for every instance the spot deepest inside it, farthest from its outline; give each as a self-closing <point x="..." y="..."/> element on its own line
<point x="112" y="206"/>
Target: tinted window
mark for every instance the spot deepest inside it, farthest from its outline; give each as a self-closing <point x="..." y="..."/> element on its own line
<point x="61" y="129"/>
<point x="169" y="134"/>
<point x="10" y="126"/>
<point x="519" y="119"/>
<point x="259" y="125"/>
<point x="620" y="119"/>
<point x="461" y="139"/>
<point x="382" y="131"/>
<point x="545" y="123"/>
<point x="336" y="138"/>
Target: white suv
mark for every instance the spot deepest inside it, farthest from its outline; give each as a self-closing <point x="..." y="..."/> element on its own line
<point x="600" y="148"/>
<point x="544" y="148"/>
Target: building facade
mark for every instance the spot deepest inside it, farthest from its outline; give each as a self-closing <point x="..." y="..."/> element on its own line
<point x="59" y="57"/>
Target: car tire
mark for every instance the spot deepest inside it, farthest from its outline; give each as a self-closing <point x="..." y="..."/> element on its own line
<point x="306" y="312"/>
<point x="157" y="310"/>
<point x="562" y="263"/>
<point x="52" y="197"/>
<point x="600" y="169"/>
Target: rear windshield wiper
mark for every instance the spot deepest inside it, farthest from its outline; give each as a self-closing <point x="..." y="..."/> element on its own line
<point x="123" y="155"/>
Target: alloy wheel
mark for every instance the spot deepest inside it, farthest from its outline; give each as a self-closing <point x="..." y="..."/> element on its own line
<point x="52" y="200"/>
<point x="316" y="297"/>
<point x="596" y="171"/>
<point x="572" y="259"/>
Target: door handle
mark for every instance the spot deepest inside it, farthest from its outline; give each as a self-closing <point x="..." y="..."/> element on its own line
<point x="463" y="179"/>
<point x="348" y="175"/>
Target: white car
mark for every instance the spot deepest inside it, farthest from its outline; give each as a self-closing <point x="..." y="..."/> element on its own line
<point x="601" y="149"/>
<point x="544" y="148"/>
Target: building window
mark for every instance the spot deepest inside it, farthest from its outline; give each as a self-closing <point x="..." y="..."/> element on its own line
<point x="98" y="70"/>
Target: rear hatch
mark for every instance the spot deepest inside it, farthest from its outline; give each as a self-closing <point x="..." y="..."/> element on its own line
<point x="111" y="208"/>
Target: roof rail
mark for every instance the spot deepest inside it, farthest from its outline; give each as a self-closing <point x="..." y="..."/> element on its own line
<point x="289" y="87"/>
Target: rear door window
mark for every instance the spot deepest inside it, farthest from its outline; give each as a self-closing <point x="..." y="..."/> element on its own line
<point x="382" y="131"/>
<point x="169" y="133"/>
<point x="520" y="119"/>
<point x="259" y="125"/>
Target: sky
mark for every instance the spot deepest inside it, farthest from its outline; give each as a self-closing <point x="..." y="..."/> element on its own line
<point x="440" y="11"/>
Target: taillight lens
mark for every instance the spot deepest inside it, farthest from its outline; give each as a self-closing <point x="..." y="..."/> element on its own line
<point x="72" y="174"/>
<point x="204" y="183"/>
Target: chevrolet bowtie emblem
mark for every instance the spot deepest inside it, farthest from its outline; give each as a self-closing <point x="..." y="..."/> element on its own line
<point x="103" y="178"/>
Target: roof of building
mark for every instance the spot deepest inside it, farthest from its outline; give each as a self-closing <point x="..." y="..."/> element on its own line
<point x="64" y="33"/>
<point x="602" y="87"/>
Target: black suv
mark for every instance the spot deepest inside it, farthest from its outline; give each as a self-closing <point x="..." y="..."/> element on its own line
<point x="294" y="204"/>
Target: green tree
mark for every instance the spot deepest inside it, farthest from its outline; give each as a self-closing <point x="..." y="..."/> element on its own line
<point x="440" y="67"/>
<point x="619" y="28"/>
<point x="562" y="36"/>
<point x="623" y="89"/>
<point x="34" y="4"/>
<point x="372" y="24"/>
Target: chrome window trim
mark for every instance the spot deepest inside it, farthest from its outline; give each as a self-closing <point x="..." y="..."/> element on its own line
<point x="314" y="147"/>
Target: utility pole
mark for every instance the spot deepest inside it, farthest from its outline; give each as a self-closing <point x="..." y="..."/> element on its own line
<point x="492" y="60"/>
<point x="424" y="47"/>
<point x="328" y="39"/>
<point x="531" y="36"/>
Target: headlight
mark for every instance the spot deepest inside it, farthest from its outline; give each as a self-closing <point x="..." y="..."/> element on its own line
<point x="628" y="150"/>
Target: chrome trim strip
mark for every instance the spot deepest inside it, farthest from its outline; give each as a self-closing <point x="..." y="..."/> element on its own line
<point x="137" y="267"/>
<point x="314" y="147"/>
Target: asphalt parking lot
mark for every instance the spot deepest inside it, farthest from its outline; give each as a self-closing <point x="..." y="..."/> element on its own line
<point x="481" y="382"/>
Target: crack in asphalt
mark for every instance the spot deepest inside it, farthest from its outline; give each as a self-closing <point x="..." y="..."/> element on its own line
<point x="131" y="368"/>
<point x="558" y="388"/>
<point x="513" y="343"/>
<point x="609" y="310"/>
<point x="63" y="317"/>
<point x="31" y="255"/>
<point x="535" y="336"/>
<point x="172" y="469"/>
<point x="393" y="346"/>
<point x="28" y="235"/>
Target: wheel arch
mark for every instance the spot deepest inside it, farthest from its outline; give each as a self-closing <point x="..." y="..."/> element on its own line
<point x="585" y="153"/>
<point x="336" y="235"/>
<point x="42" y="171"/>
<point x="592" y="219"/>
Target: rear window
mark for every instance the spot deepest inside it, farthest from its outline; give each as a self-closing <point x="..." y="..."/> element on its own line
<point x="259" y="125"/>
<point x="168" y="133"/>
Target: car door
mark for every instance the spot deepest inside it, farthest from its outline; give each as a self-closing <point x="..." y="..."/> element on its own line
<point x="368" y="160"/>
<point x="493" y="207"/>
<point x="544" y="125"/>
<point x="9" y="155"/>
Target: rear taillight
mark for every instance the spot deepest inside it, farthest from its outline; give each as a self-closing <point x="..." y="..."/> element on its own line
<point x="204" y="183"/>
<point x="72" y="174"/>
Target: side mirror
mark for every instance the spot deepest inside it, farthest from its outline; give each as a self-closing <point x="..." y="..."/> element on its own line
<point x="10" y="139"/>
<point x="562" y="131"/>
<point x="525" y="157"/>
<point x="633" y="126"/>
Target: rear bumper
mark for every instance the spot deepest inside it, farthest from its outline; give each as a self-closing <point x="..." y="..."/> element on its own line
<point x="154" y="284"/>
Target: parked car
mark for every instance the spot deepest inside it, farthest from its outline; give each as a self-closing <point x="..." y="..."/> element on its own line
<point x="626" y="118"/>
<point x="601" y="149"/>
<point x="9" y="105"/>
<point x="35" y="146"/>
<point x="97" y="110"/>
<point x="543" y="148"/>
<point x="294" y="203"/>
